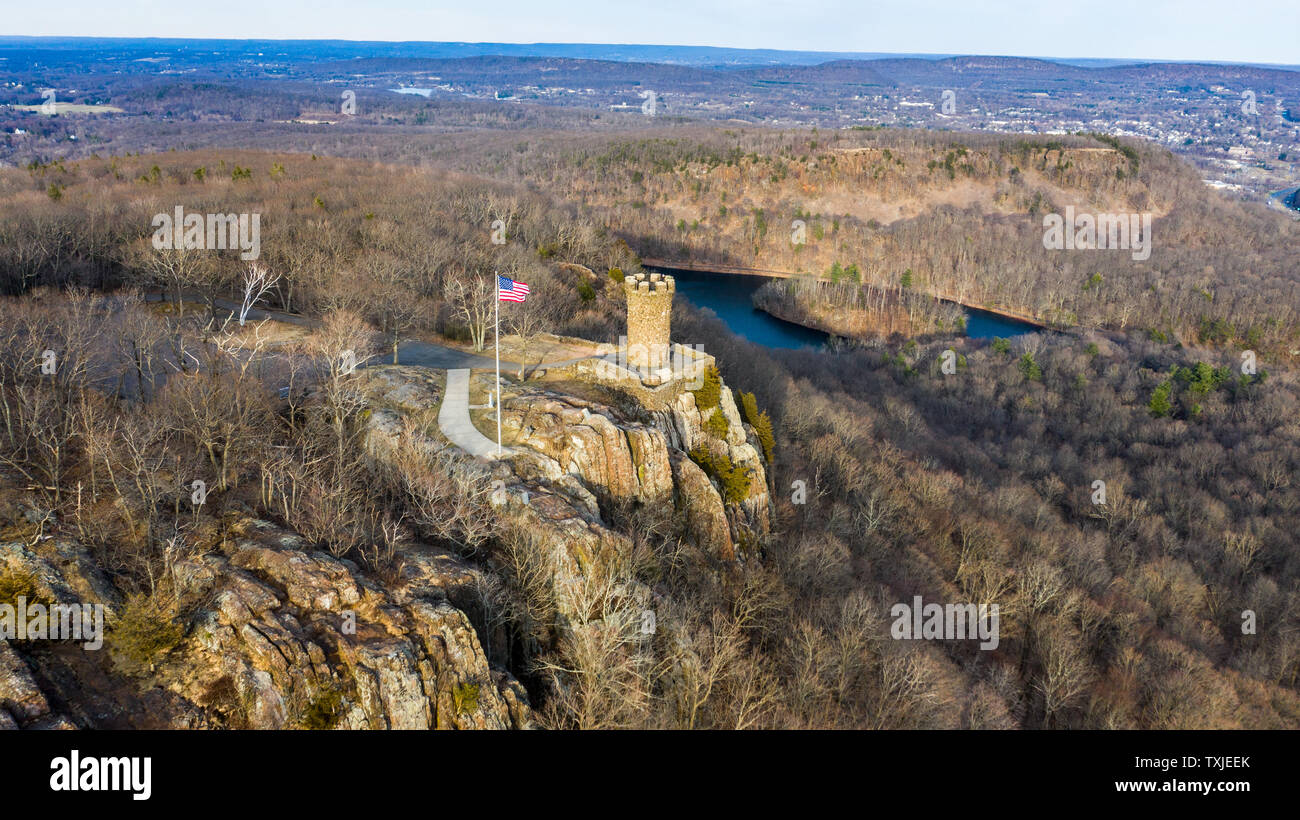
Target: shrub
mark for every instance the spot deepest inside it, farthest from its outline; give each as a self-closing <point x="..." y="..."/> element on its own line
<point x="734" y="481"/>
<point x="456" y="331"/>
<point x="716" y="424"/>
<point x="1215" y="331"/>
<point x="761" y="422"/>
<point x="19" y="583"/>
<point x="323" y="710"/>
<point x="465" y="697"/>
<point x="1202" y="378"/>
<point x="586" y="292"/>
<point x="1160" y="403"/>
<point x="144" y="632"/>
<point x="763" y="429"/>
<point x="710" y="393"/>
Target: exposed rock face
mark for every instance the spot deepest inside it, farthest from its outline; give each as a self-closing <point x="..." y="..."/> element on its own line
<point x="280" y="637"/>
<point x="702" y="506"/>
<point x="579" y="465"/>
<point x="277" y="635"/>
<point x="621" y="460"/>
<point x="293" y="629"/>
<point x="22" y="704"/>
<point x="683" y="424"/>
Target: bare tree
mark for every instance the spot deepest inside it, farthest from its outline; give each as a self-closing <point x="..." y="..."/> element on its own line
<point x="527" y="324"/>
<point x="257" y="282"/>
<point x="172" y="269"/>
<point x="473" y="298"/>
<point x="139" y="335"/>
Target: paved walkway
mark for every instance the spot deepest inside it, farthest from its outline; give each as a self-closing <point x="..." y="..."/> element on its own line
<point x="453" y="418"/>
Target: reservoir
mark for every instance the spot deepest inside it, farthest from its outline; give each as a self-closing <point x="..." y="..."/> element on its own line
<point x="730" y="296"/>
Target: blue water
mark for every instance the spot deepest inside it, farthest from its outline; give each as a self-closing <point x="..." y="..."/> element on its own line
<point x="731" y="296"/>
<point x="980" y="324"/>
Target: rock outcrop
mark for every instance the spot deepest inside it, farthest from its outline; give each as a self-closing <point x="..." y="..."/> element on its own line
<point x="297" y="631"/>
<point x="278" y="636"/>
<point x="275" y="634"/>
<point x="22" y="703"/>
<point x="622" y="459"/>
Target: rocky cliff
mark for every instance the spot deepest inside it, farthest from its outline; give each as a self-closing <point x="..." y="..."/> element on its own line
<point x="276" y="634"/>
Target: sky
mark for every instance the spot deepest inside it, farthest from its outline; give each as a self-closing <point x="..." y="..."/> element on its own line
<point x="1258" y="31"/>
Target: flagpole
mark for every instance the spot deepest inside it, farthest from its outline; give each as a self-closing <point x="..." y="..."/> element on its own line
<point x="496" y="335"/>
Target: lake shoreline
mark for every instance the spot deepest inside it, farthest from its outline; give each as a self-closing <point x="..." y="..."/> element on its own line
<point x="763" y="273"/>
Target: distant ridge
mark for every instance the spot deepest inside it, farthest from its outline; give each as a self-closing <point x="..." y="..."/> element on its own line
<point x="694" y="56"/>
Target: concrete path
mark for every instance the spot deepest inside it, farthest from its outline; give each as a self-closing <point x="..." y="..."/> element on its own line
<point x="453" y="418"/>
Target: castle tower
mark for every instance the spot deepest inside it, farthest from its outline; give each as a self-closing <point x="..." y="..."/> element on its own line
<point x="649" y="311"/>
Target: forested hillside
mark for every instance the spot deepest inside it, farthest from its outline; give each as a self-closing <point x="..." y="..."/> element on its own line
<point x="977" y="485"/>
<point x="953" y="215"/>
<point x="1171" y="604"/>
<point x="384" y="242"/>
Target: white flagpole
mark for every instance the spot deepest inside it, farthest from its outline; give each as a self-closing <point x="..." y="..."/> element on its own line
<point x="497" y="337"/>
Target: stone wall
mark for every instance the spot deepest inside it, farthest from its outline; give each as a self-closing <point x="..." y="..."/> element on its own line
<point x="649" y="314"/>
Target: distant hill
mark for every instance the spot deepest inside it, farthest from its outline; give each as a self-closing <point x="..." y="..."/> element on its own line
<point x="56" y="49"/>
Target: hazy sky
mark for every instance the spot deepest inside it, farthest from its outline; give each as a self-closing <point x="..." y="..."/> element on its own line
<point x="1242" y="30"/>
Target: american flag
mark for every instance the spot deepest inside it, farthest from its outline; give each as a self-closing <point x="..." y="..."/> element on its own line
<point x="508" y="290"/>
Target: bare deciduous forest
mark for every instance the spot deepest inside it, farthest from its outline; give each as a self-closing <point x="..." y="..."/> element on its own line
<point x="129" y="374"/>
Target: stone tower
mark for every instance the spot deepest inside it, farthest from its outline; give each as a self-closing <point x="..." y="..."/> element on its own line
<point x="649" y="311"/>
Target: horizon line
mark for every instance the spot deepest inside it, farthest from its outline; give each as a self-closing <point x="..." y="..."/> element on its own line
<point x="864" y="56"/>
